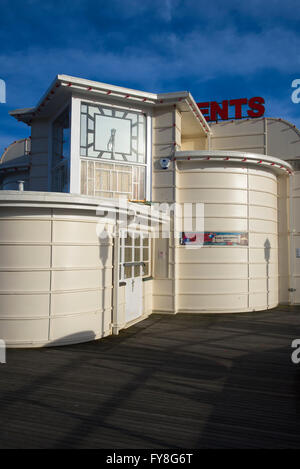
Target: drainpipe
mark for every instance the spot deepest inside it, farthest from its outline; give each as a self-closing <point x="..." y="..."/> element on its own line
<point x="265" y="136"/>
<point x="115" y="305"/>
<point x="175" y="247"/>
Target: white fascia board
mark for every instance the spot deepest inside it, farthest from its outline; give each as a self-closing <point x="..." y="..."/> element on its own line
<point x="97" y="85"/>
<point x="233" y="156"/>
<point x="10" y="198"/>
<point x="198" y="113"/>
<point x="173" y="96"/>
<point x="81" y="84"/>
<point x="26" y="110"/>
<point x="119" y="92"/>
<point x="186" y="97"/>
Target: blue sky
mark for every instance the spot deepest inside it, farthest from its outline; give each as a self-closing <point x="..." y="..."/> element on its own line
<point x="216" y="50"/>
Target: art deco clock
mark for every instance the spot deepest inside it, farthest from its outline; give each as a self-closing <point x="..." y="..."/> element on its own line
<point x="112" y="133"/>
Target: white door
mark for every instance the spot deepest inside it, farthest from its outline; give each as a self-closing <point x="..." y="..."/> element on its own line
<point x="133" y="298"/>
<point x="134" y="265"/>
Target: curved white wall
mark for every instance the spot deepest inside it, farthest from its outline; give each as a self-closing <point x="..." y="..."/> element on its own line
<point x="294" y="296"/>
<point x="55" y="273"/>
<point x="237" y="198"/>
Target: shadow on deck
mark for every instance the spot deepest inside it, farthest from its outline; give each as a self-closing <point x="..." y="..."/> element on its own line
<point x="185" y="381"/>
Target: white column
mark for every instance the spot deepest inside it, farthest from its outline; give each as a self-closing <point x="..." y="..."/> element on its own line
<point x="75" y="147"/>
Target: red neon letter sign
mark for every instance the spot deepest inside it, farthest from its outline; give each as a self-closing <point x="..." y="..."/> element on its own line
<point x="238" y="103"/>
<point x="256" y="103"/>
<point x="213" y="111"/>
<point x="216" y="110"/>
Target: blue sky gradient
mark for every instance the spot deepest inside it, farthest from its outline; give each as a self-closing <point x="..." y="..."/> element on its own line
<point x="216" y="50"/>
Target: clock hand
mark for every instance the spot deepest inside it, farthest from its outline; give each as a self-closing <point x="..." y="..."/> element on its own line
<point x="111" y="142"/>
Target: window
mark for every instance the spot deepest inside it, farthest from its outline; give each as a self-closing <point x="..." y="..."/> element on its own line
<point x="135" y="255"/>
<point x="295" y="164"/>
<point x="113" y="152"/>
<point x="61" y="153"/>
<point x="112" y="179"/>
<point x="112" y="134"/>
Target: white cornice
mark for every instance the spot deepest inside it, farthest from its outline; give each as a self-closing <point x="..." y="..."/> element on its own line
<point x="94" y="88"/>
<point x="229" y="157"/>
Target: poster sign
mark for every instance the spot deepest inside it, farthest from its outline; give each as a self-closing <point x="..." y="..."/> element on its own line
<point x="214" y="238"/>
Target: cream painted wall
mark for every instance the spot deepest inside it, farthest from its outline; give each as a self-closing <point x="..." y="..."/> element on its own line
<point x="166" y="137"/>
<point x="240" y="135"/>
<point x="191" y="144"/>
<point x="295" y="238"/>
<point x="279" y="138"/>
<point x="55" y="273"/>
<point x="274" y="137"/>
<point x="229" y="278"/>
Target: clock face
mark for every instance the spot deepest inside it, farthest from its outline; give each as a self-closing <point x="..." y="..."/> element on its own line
<point x="112" y="133"/>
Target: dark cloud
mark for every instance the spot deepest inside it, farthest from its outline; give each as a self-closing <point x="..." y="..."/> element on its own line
<point x="214" y="49"/>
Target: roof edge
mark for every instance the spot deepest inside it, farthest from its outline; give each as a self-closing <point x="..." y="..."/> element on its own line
<point x="128" y="94"/>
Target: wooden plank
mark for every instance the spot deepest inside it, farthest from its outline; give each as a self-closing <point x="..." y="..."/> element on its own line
<point x="185" y="381"/>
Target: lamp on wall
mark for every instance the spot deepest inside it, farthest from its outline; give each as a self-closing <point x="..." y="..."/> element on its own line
<point x="164" y="163"/>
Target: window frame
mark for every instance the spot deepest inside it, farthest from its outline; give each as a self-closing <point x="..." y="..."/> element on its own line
<point x="75" y="143"/>
<point x="60" y="111"/>
<point x="143" y="234"/>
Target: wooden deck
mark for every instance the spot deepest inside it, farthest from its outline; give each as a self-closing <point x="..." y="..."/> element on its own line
<point x="185" y="381"/>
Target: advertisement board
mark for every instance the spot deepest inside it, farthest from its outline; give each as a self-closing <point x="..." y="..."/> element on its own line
<point x="216" y="238"/>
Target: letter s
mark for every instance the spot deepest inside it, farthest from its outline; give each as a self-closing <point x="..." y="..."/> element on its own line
<point x="257" y="107"/>
<point x="295" y="94"/>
